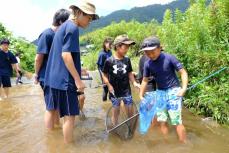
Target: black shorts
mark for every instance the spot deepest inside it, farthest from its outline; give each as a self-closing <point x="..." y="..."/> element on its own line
<point x="5" y="81"/>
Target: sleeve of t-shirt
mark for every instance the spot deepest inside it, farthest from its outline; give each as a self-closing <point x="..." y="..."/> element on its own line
<point x="69" y="44"/>
<point x="43" y="44"/>
<point x="146" y="70"/>
<point x="175" y="63"/>
<point x="130" y="69"/>
<point x="71" y="41"/>
<point x="13" y="59"/>
<point x="106" y="67"/>
<point x="100" y="61"/>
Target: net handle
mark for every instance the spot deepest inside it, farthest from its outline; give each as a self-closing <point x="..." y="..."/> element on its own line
<point x="108" y="131"/>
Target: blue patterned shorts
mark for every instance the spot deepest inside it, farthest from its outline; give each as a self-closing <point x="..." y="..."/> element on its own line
<point x="116" y="101"/>
<point x="172" y="113"/>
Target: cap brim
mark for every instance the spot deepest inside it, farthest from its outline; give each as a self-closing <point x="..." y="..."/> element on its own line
<point x="148" y="49"/>
<point x="129" y="42"/>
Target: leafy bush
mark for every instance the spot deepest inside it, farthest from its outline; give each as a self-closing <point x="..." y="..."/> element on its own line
<point x="20" y="45"/>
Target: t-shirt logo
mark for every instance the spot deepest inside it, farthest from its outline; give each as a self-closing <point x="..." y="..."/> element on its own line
<point x="120" y="68"/>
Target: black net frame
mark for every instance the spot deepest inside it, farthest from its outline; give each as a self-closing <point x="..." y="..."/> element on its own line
<point x="126" y="125"/>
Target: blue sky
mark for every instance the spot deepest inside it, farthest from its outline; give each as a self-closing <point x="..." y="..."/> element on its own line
<point x="27" y="18"/>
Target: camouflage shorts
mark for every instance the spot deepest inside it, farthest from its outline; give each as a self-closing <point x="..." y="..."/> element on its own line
<point x="172" y="113"/>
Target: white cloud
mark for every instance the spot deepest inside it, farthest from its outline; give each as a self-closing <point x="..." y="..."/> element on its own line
<point x="23" y="18"/>
<point x="27" y="19"/>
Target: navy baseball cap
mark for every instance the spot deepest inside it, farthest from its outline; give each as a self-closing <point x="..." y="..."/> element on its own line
<point x="150" y="43"/>
<point x="5" y="41"/>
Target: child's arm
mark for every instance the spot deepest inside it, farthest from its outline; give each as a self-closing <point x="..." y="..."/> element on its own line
<point x="106" y="81"/>
<point x="132" y="79"/>
<point x="37" y="66"/>
<point x="143" y="87"/>
<point x="184" y="81"/>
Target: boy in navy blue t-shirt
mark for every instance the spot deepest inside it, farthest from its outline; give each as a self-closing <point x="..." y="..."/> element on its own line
<point x="163" y="67"/>
<point x="44" y="45"/>
<point x="43" y="48"/>
<point x="103" y="56"/>
<point x="63" y="69"/>
<point x="117" y="74"/>
<point x="7" y="62"/>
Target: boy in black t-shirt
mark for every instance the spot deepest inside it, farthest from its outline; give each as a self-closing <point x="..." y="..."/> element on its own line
<point x="117" y="72"/>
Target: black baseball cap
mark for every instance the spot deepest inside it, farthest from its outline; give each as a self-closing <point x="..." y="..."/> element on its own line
<point x="150" y="43"/>
<point x="5" y="41"/>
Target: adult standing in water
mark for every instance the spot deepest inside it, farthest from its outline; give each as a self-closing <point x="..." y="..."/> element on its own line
<point x="62" y="77"/>
<point x="103" y="56"/>
<point x="43" y="48"/>
<point x="7" y="62"/>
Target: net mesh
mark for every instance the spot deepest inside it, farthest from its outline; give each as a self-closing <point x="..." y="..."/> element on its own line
<point x="152" y="103"/>
<point x="124" y="125"/>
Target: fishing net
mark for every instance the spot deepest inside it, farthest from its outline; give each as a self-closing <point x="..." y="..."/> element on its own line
<point x="124" y="125"/>
<point x="152" y="103"/>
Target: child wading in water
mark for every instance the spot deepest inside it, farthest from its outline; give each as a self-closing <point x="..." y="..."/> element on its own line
<point x="8" y="62"/>
<point x="43" y="48"/>
<point x="117" y="73"/>
<point x="163" y="67"/>
<point x="62" y="77"/>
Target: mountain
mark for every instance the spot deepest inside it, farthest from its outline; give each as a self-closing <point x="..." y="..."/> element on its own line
<point x="141" y="14"/>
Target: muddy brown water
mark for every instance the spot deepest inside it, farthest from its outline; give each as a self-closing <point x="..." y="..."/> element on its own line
<point x="22" y="129"/>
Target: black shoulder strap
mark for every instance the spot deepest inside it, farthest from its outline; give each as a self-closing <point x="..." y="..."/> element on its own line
<point x="126" y="59"/>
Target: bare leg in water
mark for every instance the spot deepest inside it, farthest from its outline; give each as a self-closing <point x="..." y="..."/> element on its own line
<point x="164" y="129"/>
<point x="57" y="119"/>
<point x="49" y="119"/>
<point x="81" y="104"/>
<point x="68" y="127"/>
<point x="6" y="90"/>
<point x="181" y="133"/>
<point x="115" y="114"/>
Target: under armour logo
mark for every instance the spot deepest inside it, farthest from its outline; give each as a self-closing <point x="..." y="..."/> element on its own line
<point x="116" y="69"/>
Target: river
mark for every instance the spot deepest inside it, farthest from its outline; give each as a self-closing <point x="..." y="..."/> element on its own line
<point x="22" y="129"/>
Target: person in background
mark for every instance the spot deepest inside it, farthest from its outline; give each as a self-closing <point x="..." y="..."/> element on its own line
<point x="103" y="56"/>
<point x="43" y="48"/>
<point x="18" y="80"/>
<point x="151" y="83"/>
<point x="8" y="62"/>
<point x="63" y="71"/>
